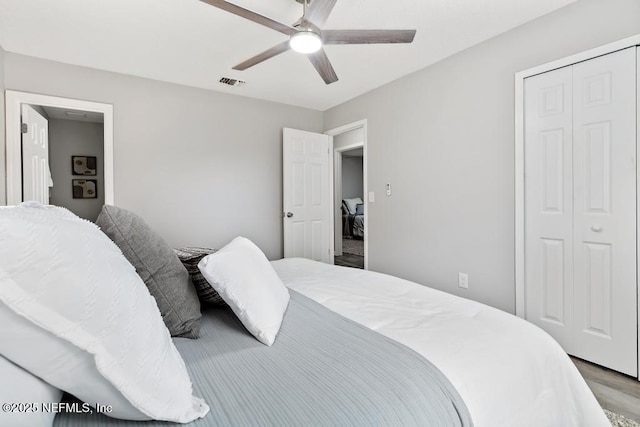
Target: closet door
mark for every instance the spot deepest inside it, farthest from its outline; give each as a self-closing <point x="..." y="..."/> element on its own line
<point x="549" y="204"/>
<point x="580" y="208"/>
<point x="604" y="259"/>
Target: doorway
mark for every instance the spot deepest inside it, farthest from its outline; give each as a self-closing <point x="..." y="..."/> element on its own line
<point x="349" y="184"/>
<point x="76" y="160"/>
<point x="81" y="132"/>
<point x="349" y="191"/>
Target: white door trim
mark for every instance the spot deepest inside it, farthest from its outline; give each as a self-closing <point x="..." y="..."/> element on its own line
<point x="14" y="100"/>
<point x="336" y="168"/>
<point x="519" y="155"/>
<point x="638" y="187"/>
<point x="361" y="124"/>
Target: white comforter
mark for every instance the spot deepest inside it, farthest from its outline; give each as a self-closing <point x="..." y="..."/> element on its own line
<point x="508" y="371"/>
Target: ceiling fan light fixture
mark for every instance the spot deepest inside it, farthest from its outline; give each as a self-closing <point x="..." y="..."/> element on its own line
<point x="305" y="42"/>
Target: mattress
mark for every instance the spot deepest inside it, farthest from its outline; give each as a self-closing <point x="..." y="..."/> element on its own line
<point x="323" y="369"/>
<point x="508" y="371"/>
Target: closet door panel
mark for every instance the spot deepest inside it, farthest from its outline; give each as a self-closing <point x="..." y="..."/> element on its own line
<point x="549" y="204"/>
<point x="604" y="153"/>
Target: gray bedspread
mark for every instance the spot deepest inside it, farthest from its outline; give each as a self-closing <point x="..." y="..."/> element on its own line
<point x="322" y="370"/>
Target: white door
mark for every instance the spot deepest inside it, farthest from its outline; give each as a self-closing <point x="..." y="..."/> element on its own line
<point x="580" y="208"/>
<point x="306" y="195"/>
<point x="604" y="153"/>
<point x="36" y="176"/>
<point x="549" y="204"/>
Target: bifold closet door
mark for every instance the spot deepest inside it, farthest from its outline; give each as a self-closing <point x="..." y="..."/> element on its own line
<point x="549" y="204"/>
<point x="580" y="208"/>
<point x="604" y="151"/>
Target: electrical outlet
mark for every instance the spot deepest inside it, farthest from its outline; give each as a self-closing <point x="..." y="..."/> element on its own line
<point x="463" y="280"/>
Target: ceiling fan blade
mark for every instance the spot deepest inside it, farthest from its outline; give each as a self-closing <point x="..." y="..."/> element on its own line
<point x="318" y="11"/>
<point x="367" y="36"/>
<point x="321" y="62"/>
<point x="269" y="53"/>
<point x="251" y="16"/>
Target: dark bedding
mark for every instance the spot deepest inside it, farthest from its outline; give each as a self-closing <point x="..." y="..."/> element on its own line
<point x="353" y="226"/>
<point x="322" y="370"/>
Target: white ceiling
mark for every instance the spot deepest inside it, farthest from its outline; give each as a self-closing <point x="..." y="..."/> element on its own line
<point x="194" y="44"/>
<point x="356" y="152"/>
<point x="74" y="115"/>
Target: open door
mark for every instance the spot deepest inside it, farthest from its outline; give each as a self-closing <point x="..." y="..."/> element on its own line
<point x="307" y="196"/>
<point x="35" y="156"/>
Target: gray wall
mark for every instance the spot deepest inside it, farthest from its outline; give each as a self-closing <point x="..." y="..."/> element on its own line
<point x="352" y="179"/>
<point x="348" y="138"/>
<point x="201" y="167"/>
<point x="3" y="199"/>
<point x="75" y="138"/>
<point x="443" y="138"/>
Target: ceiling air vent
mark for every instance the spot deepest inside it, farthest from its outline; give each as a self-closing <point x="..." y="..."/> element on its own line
<point x="232" y="82"/>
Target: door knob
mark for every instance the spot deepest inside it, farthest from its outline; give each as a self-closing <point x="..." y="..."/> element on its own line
<point x="289" y="214"/>
<point x="596" y="228"/>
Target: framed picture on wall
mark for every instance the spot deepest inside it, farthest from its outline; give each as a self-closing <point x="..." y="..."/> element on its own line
<point x="85" y="188"/>
<point x="84" y="165"/>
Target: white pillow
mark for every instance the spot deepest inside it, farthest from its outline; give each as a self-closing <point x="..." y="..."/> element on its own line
<point x="75" y="313"/>
<point x="247" y="282"/>
<point x="20" y="387"/>
<point x="351" y="204"/>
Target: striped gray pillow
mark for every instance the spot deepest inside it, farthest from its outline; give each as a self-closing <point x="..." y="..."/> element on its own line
<point x="190" y="257"/>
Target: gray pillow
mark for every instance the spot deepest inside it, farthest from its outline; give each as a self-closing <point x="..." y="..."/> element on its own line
<point x="159" y="268"/>
<point x="190" y="258"/>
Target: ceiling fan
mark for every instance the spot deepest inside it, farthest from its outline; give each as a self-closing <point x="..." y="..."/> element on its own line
<point x="305" y="35"/>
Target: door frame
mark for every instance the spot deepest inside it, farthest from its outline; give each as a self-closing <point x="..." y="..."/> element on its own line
<point x="519" y="81"/>
<point x="14" y="101"/>
<point x="360" y="124"/>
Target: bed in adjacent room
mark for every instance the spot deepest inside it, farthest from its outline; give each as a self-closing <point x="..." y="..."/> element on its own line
<point x="353" y="218"/>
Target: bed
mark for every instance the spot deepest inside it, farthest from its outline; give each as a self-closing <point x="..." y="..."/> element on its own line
<point x="353" y="218"/>
<point x="351" y="347"/>
<point x="506" y="371"/>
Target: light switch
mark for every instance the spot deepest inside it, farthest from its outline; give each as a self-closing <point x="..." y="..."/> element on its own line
<point x="372" y="197"/>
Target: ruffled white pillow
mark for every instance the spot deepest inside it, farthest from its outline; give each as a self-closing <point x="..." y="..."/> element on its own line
<point x="247" y="282"/>
<point x="74" y="312"/>
<point x="25" y="394"/>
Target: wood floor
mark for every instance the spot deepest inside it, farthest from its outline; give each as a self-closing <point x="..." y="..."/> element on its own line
<point x="616" y="392"/>
<point x="350" y="260"/>
<point x="352" y="253"/>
